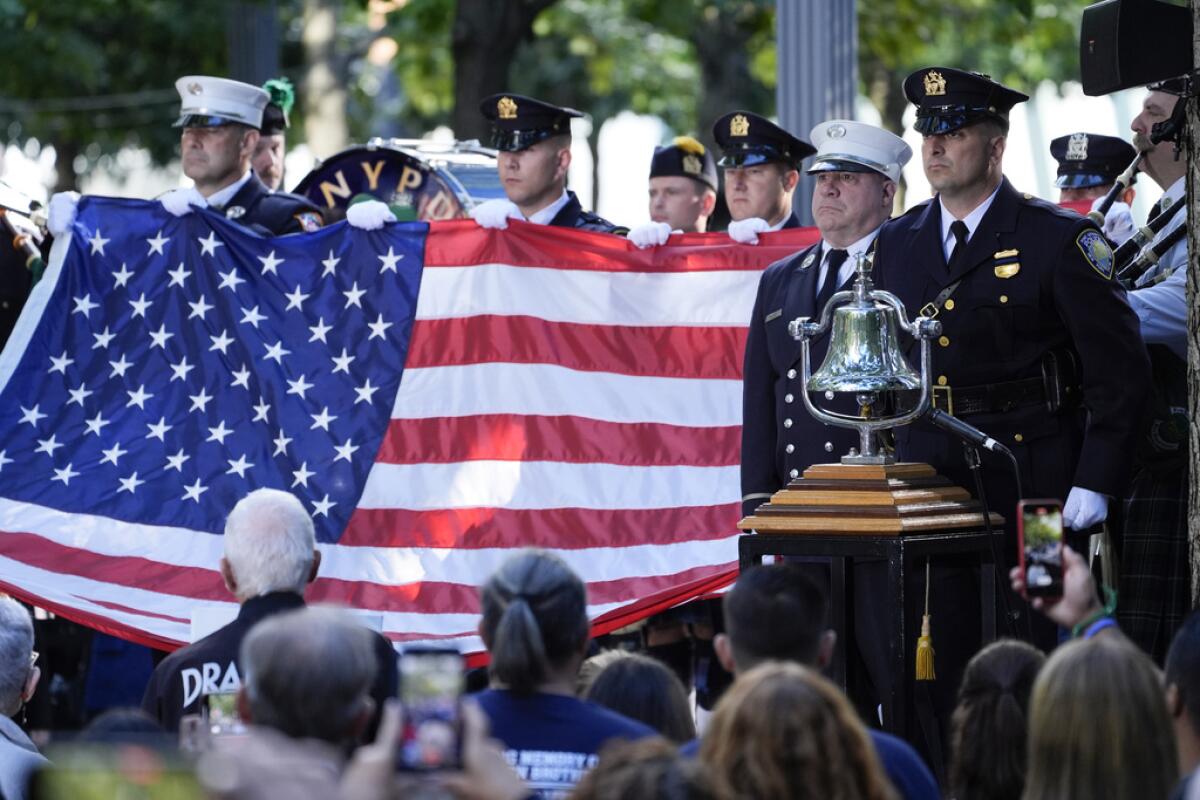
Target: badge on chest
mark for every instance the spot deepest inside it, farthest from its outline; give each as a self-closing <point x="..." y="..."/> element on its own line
<point x="1007" y="263"/>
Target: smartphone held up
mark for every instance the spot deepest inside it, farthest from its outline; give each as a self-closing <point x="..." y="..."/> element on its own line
<point x="431" y="688"/>
<point x="1040" y="540"/>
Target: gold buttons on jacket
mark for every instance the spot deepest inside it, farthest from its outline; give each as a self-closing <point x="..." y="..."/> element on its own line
<point x="943" y="380"/>
<point x="1003" y="298"/>
<point x="949" y="305"/>
<point x="944" y="341"/>
<point x="1018" y="437"/>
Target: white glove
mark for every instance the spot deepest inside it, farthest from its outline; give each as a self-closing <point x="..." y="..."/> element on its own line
<point x="1118" y="222"/>
<point x="369" y="215"/>
<point x="61" y="215"/>
<point x="1084" y="508"/>
<point x="495" y="213"/>
<point x="649" y="234"/>
<point x="180" y="201"/>
<point x="746" y="231"/>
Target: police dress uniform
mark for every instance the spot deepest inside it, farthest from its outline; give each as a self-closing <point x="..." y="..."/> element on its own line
<point x="747" y="139"/>
<point x="519" y="122"/>
<point x="1039" y="349"/>
<point x="212" y="665"/>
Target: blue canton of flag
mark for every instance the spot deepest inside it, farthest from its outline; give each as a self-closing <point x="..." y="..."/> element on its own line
<point x="165" y="366"/>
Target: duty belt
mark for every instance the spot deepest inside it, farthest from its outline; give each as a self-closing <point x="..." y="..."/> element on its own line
<point x="991" y="398"/>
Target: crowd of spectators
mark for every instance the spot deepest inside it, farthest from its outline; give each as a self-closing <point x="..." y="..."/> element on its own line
<point x="305" y="717"/>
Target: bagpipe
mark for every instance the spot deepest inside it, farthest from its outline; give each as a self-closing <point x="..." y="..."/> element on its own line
<point x="24" y="228"/>
<point x="419" y="179"/>
<point x="23" y="248"/>
<point x="1133" y="259"/>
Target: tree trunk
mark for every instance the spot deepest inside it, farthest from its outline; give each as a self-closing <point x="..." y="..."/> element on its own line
<point x="883" y="88"/>
<point x="1193" y="205"/>
<point x="484" y="40"/>
<point x="65" y="152"/>
<point x="726" y="81"/>
<point x="323" y="90"/>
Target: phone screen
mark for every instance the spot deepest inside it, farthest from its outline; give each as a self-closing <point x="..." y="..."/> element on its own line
<point x="1041" y="542"/>
<point x="222" y="714"/>
<point x="431" y="687"/>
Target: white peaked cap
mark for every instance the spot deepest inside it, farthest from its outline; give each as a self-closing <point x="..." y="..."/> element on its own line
<point x="208" y="102"/>
<point x="847" y="146"/>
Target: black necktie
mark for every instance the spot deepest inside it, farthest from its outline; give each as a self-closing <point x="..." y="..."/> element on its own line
<point x="959" y="229"/>
<point x="833" y="262"/>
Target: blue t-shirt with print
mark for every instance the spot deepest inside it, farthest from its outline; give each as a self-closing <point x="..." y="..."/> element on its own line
<point x="551" y="740"/>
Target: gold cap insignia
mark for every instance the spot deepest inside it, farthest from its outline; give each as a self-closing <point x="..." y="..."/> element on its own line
<point x="935" y="84"/>
<point x="692" y="164"/>
<point x="506" y="108"/>
<point x="1077" y="147"/>
<point x="195" y="88"/>
<point x="739" y="126"/>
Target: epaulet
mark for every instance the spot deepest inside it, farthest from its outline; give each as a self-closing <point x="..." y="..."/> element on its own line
<point x="1030" y="201"/>
<point x="600" y="223"/>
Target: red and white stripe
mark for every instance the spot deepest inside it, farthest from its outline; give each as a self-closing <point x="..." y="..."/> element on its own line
<point x="562" y="390"/>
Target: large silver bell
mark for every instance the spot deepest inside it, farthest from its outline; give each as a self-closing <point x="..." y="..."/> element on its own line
<point x="864" y="353"/>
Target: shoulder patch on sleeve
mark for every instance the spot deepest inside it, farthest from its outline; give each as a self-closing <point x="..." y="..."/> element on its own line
<point x="1096" y="252"/>
<point x="309" y="221"/>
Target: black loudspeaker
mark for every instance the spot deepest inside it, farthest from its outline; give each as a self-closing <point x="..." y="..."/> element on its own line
<point x="1126" y="43"/>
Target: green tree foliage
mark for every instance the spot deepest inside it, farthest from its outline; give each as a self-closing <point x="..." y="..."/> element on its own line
<point x="1018" y="42"/>
<point x="90" y="77"/>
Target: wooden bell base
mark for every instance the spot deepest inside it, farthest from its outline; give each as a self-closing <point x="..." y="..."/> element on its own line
<point x="881" y="500"/>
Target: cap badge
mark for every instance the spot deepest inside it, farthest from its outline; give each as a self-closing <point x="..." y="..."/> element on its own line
<point x="935" y="84"/>
<point x="835" y="131"/>
<point x="506" y="108"/>
<point x="195" y="88"/>
<point x="1077" y="147"/>
<point x="235" y="212"/>
<point x="739" y="126"/>
<point x="692" y="164"/>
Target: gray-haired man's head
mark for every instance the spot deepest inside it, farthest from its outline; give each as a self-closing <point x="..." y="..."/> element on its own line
<point x="269" y="545"/>
<point x="18" y="676"/>
<point x="308" y="674"/>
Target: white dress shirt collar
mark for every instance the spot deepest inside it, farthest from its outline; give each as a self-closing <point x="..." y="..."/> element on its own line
<point x="219" y="198"/>
<point x="544" y="216"/>
<point x="972" y="221"/>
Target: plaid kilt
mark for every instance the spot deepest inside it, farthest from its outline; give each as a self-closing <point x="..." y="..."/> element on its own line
<point x="1154" y="587"/>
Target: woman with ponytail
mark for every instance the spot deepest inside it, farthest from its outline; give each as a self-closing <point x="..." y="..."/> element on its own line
<point x="991" y="720"/>
<point x="535" y="628"/>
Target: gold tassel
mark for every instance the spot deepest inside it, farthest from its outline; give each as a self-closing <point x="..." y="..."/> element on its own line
<point x="925" y="670"/>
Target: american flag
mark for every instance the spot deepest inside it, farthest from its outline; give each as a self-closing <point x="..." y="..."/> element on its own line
<point x="436" y="396"/>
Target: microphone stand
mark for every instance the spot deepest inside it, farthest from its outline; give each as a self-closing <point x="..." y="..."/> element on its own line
<point x="975" y="464"/>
